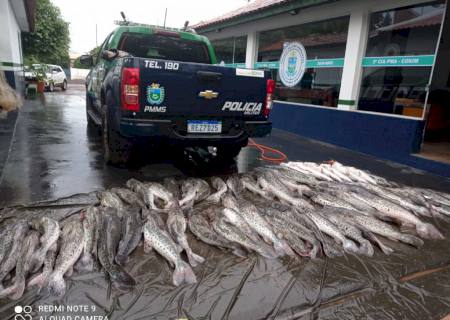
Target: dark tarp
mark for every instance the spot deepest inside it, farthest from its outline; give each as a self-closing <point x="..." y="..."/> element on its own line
<point x="409" y="284"/>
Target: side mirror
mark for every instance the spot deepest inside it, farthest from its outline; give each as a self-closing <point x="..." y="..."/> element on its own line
<point x="87" y="60"/>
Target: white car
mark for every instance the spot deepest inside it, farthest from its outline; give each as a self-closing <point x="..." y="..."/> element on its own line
<point x="55" y="76"/>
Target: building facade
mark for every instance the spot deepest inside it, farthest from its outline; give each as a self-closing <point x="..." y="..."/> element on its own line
<point x="16" y="16"/>
<point x="377" y="77"/>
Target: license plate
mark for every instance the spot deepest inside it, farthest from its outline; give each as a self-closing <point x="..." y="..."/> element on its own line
<point x="203" y="126"/>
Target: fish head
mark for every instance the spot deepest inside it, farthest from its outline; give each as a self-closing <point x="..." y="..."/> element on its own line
<point x="36" y="224"/>
<point x="203" y="190"/>
<point x="187" y="185"/>
<point x="218" y="183"/>
<point x="229" y="201"/>
<point x="133" y="184"/>
<point x="235" y="184"/>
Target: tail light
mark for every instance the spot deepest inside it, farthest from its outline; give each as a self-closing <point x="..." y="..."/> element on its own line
<point x="270" y="90"/>
<point x="130" y="89"/>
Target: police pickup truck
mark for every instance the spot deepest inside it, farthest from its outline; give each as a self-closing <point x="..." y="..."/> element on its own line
<point x="159" y="85"/>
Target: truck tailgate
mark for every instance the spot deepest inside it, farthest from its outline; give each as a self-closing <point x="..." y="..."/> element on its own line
<point x="169" y="88"/>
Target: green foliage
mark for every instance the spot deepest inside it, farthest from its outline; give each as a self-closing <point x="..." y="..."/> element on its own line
<point x="38" y="72"/>
<point x="93" y="52"/>
<point x="77" y="64"/>
<point x="50" y="41"/>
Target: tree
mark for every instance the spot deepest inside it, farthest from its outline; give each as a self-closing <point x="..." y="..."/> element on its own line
<point x="50" y="41"/>
<point x="93" y="52"/>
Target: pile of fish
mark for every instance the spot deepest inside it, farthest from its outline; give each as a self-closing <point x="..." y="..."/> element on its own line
<point x="295" y="209"/>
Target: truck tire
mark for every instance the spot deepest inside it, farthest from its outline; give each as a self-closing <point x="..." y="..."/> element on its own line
<point x="116" y="148"/>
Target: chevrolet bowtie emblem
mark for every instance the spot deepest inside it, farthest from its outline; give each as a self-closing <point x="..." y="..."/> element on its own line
<point x="208" y="94"/>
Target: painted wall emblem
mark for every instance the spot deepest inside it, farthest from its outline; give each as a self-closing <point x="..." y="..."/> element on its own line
<point x="155" y="94"/>
<point x="292" y="64"/>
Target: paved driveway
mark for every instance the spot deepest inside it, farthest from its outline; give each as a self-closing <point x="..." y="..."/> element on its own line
<point x="54" y="155"/>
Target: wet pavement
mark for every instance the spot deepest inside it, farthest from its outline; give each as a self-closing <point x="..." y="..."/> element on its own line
<point x="53" y="155"/>
<point x="7" y="127"/>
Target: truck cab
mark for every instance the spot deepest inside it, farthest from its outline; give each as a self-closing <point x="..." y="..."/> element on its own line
<point x="163" y="85"/>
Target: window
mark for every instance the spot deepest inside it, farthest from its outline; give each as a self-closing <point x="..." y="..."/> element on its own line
<point x="231" y="50"/>
<point x="399" y="56"/>
<point x="164" y="47"/>
<point x="325" y="43"/>
<point x="103" y="47"/>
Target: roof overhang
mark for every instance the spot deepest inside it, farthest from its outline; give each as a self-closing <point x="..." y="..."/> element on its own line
<point x="25" y="13"/>
<point x="265" y="12"/>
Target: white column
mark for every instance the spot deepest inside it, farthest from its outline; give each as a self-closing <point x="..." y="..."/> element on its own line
<point x="251" y="55"/>
<point x="6" y="25"/>
<point x="358" y="31"/>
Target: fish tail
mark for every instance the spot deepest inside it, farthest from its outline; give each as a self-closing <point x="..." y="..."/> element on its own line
<point x="350" y="246"/>
<point x="302" y="252"/>
<point x="87" y="263"/>
<point x="412" y="240"/>
<point x="6" y="292"/>
<point x="121" y="259"/>
<point x="239" y="253"/>
<point x="38" y="280"/>
<point x="183" y="273"/>
<point x="373" y="238"/>
<point x="194" y="259"/>
<point x="282" y="248"/>
<point x="57" y="285"/>
<point x="267" y="252"/>
<point x="315" y="250"/>
<point x="385" y="249"/>
<point x="121" y="277"/>
<point x="19" y="288"/>
<point x="366" y="248"/>
<point x="428" y="231"/>
<point x="424" y="212"/>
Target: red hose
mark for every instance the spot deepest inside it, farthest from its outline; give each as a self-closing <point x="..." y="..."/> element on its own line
<point x="264" y="149"/>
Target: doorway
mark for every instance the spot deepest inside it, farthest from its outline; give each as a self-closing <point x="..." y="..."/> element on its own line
<point x="436" y="144"/>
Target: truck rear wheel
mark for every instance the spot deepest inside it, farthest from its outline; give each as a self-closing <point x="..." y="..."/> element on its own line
<point x="116" y="148"/>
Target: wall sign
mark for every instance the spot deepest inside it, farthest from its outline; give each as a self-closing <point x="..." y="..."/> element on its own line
<point x="387" y="61"/>
<point x="325" y="63"/>
<point x="316" y="63"/>
<point x="399" y="61"/>
<point x="267" y="65"/>
<point x="292" y="64"/>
